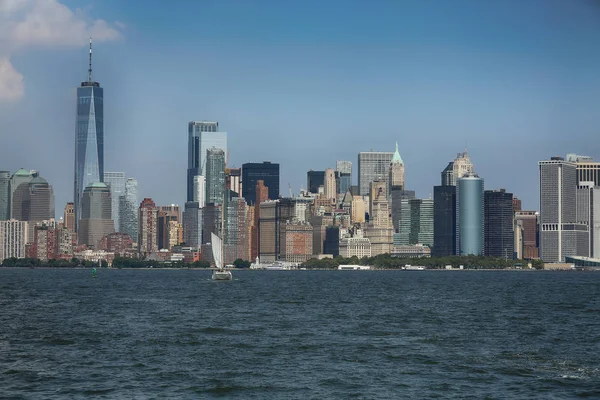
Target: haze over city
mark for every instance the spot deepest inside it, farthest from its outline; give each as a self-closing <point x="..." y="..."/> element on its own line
<point x="304" y="85"/>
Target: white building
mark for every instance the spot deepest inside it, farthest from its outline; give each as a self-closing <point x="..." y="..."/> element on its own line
<point x="355" y="246"/>
<point x="13" y="238"/>
<point x="200" y="190"/>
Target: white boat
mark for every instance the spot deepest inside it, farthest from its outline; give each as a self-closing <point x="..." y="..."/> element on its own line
<point x="353" y="267"/>
<point x="220" y="273"/>
<point x="409" y="267"/>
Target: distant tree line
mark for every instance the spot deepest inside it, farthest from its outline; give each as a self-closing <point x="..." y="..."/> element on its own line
<point x="387" y="261"/>
<point x="59" y="263"/>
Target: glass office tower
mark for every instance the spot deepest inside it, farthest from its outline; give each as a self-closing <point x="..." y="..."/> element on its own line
<point x="89" y="138"/>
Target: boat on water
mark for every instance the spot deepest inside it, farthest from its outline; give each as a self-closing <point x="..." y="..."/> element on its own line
<point x="409" y="267"/>
<point x="219" y="273"/>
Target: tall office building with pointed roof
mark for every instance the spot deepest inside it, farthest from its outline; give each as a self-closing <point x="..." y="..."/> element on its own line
<point x="396" y="171"/>
<point x="89" y="138"/>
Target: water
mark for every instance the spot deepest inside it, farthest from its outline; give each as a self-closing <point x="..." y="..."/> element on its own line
<point x="299" y="334"/>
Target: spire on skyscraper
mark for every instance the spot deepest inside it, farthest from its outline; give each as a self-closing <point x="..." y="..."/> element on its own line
<point x="396" y="157"/>
<point x="90" y="69"/>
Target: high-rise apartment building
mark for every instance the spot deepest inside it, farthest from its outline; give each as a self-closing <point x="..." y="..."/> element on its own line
<point x="416" y="225"/>
<point x="13" y="238"/>
<point x="95" y="221"/>
<point x="169" y="219"/>
<point x="116" y="183"/>
<point x="202" y="135"/>
<point x="273" y="217"/>
<point x="192" y="224"/>
<point x="373" y="165"/>
<point x="235" y="229"/>
<point x="262" y="194"/>
<point x="380" y="229"/>
<point x="560" y="234"/>
<point x="45" y="243"/>
<point x="233" y="177"/>
<point x="330" y="184"/>
<point x="215" y="176"/>
<point x="4" y="195"/>
<point x="469" y="215"/>
<point x="344" y="172"/>
<point x="200" y="190"/>
<point x="147" y="227"/>
<point x="252" y="173"/>
<point x="498" y="224"/>
<point x="314" y="180"/>
<point x="128" y="209"/>
<point x="89" y="138"/>
<point x="69" y="216"/>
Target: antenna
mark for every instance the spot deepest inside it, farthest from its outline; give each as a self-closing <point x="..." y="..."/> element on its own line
<point x="90" y="69"/>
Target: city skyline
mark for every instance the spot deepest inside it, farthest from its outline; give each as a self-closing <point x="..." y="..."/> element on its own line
<point x="521" y="116"/>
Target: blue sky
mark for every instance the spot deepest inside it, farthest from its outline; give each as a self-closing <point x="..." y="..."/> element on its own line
<point x="306" y="83"/>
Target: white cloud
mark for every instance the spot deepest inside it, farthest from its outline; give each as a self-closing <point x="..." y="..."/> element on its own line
<point x="11" y="81"/>
<point x="43" y="23"/>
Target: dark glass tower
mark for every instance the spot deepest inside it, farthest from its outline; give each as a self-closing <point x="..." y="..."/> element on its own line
<point x="498" y="229"/>
<point x="314" y="179"/>
<point x="89" y="138"/>
<point x="252" y="173"/>
<point x="444" y="221"/>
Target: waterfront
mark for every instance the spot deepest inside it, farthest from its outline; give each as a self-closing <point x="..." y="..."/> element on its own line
<point x="299" y="334"/>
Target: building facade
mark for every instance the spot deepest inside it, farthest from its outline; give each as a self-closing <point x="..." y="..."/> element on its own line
<point x="469" y="215"/>
<point x="147" y="227"/>
<point x="95" y="222"/>
<point x="298" y="241"/>
<point x="116" y="183"/>
<point x="69" y="216"/>
<point x="4" y="195"/>
<point x="588" y="213"/>
<point x="416" y="225"/>
<point x="13" y="239"/>
<point x="89" y="139"/>
<point x="498" y="226"/>
<point x="215" y="176"/>
<point x="444" y="221"/>
<point x="128" y="209"/>
<point x="314" y="180"/>
<point x="330" y="184"/>
<point x="192" y="225"/>
<point x="396" y="175"/>
<point x="560" y="234"/>
<point x="344" y="172"/>
<point x="252" y="173"/>
<point x="373" y="165"/>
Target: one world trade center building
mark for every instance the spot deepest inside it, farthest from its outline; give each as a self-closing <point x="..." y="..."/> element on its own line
<point x="89" y="138"/>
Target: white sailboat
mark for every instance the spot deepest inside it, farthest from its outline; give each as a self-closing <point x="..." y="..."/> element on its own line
<point x="219" y="274"/>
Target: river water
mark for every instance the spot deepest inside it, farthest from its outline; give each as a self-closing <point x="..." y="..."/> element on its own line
<point x="299" y="334"/>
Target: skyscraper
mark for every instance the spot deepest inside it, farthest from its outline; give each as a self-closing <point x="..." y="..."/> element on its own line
<point x="13" y="238"/>
<point x="396" y="171"/>
<point x="267" y="172"/>
<point x="373" y="165"/>
<point x="33" y="201"/>
<point x="344" y="170"/>
<point x="89" y="138"/>
<point x="330" y="186"/>
<point x="262" y="194"/>
<point x="19" y="177"/>
<point x="202" y="135"/>
<point x="456" y="169"/>
<point x="199" y="190"/>
<point x="215" y="176"/>
<point x="233" y="178"/>
<point x="314" y="179"/>
<point x="95" y="222"/>
<point x="116" y="183"/>
<point x="416" y="222"/>
<point x="128" y="209"/>
<point x="469" y="215"/>
<point x="4" y="195"/>
<point x="147" y="227"/>
<point x="560" y="234"/>
<point x="192" y="224"/>
<point x="498" y="227"/>
<point x="69" y="216"/>
<point x="588" y="213"/>
<point x="444" y="221"/>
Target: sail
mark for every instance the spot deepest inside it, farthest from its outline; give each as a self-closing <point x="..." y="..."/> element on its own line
<point x="216" y="250"/>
